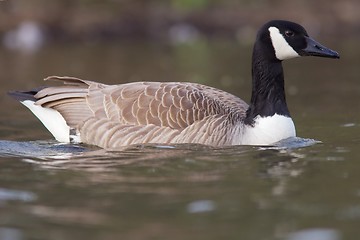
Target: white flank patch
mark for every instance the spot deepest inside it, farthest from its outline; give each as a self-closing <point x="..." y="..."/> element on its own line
<point x="282" y="48"/>
<point x="268" y="130"/>
<point x="51" y="119"/>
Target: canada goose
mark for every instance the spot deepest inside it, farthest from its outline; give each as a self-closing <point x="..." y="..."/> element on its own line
<point x="111" y="116"/>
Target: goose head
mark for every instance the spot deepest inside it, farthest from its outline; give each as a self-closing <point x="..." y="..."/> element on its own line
<point x="283" y="40"/>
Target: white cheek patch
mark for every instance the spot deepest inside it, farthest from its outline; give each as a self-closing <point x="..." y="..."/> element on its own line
<point x="282" y="48"/>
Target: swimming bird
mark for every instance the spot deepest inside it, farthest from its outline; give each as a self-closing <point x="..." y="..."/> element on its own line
<point x="111" y="116"/>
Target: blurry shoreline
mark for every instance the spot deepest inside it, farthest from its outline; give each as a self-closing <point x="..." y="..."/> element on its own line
<point x="170" y="21"/>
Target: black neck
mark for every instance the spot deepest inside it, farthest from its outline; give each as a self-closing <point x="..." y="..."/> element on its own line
<point x="268" y="95"/>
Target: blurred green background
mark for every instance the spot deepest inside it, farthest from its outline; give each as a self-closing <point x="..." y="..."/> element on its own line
<point x="96" y="20"/>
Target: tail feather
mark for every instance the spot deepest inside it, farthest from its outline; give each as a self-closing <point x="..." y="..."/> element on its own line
<point x="51" y="119"/>
<point x="60" y="108"/>
<point x="26" y="95"/>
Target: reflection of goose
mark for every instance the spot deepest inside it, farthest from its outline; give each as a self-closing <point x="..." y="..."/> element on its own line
<point x="27" y="37"/>
<point x="151" y="112"/>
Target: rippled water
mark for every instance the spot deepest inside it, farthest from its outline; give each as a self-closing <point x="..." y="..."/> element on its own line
<point x="303" y="188"/>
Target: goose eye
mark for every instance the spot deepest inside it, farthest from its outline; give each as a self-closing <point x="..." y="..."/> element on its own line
<point x="289" y="33"/>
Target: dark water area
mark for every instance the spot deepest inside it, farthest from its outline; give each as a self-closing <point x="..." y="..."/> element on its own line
<point x="55" y="191"/>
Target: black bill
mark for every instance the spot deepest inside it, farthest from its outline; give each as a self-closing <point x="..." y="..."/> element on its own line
<point x="314" y="48"/>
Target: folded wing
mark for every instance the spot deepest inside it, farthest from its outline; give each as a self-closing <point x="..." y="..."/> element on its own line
<point x="143" y="112"/>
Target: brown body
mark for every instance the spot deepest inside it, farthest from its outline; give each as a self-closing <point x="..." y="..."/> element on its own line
<point x="112" y="116"/>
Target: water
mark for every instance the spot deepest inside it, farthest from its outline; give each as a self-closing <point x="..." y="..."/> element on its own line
<point x="303" y="188"/>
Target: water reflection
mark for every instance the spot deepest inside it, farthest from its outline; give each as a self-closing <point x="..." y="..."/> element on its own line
<point x="67" y="214"/>
<point x="16" y="195"/>
<point x="50" y="154"/>
<point x="315" y="234"/>
<point x="154" y="168"/>
<point x="201" y="206"/>
<point x="182" y="185"/>
<point x="11" y="234"/>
